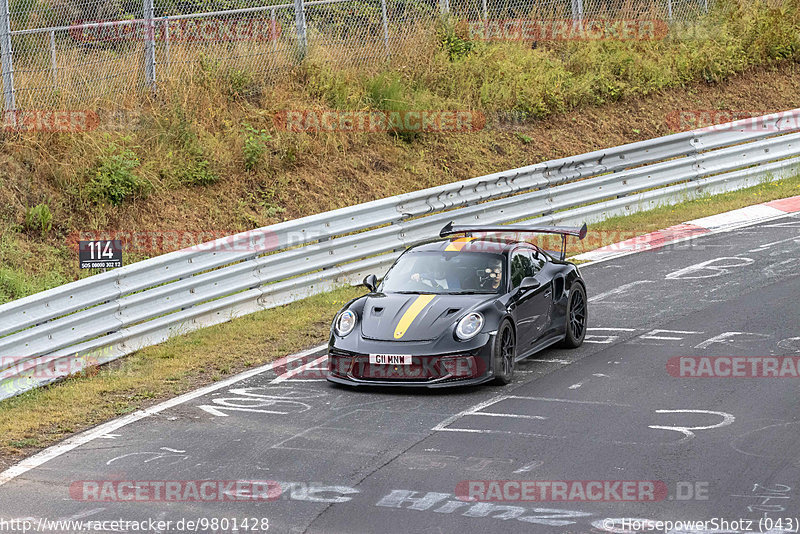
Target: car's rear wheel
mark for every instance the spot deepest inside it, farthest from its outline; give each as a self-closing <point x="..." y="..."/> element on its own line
<point x="577" y="317"/>
<point x="504" y="353"/>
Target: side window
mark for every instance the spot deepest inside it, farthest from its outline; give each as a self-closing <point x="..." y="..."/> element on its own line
<point x="521" y="266"/>
<point x="538" y="262"/>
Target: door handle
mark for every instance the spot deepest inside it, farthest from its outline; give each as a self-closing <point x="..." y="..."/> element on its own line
<point x="548" y="293"/>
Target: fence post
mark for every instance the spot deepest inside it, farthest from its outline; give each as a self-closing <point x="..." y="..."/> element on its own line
<point x="6" y="55"/>
<point x="385" y="27"/>
<point x="300" y="21"/>
<point x="149" y="45"/>
<point x="669" y="9"/>
<point x="166" y="44"/>
<point x="273" y="29"/>
<point x="577" y="9"/>
<point x="485" y="10"/>
<point x="444" y="6"/>
<point x="53" y="64"/>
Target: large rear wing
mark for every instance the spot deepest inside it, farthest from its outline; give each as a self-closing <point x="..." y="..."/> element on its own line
<point x="563" y="231"/>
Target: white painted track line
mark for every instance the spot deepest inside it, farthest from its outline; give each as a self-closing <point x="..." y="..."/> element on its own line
<point x="99" y="431"/>
<point x="294" y="372"/>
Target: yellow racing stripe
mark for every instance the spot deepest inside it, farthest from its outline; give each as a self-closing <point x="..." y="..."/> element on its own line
<point x="411" y="313"/>
<point x="457" y="244"/>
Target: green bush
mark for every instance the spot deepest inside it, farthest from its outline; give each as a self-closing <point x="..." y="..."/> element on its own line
<point x="240" y="83"/>
<point x="113" y="178"/>
<point x="39" y="219"/>
<point x="337" y="88"/>
<point x="265" y="198"/>
<point x="193" y="168"/>
<point x="387" y="92"/>
<point x="199" y="173"/>
<point x="255" y="144"/>
<point x="453" y="39"/>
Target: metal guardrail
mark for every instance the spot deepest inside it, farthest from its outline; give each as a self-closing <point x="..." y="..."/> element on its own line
<point x="61" y="331"/>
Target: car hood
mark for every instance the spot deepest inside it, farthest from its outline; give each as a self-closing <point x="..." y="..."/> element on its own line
<point x="414" y="317"/>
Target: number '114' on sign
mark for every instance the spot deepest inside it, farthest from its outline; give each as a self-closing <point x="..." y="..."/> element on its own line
<point x="101" y="254"/>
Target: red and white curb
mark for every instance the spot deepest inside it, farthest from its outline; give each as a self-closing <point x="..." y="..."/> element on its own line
<point x="723" y="222"/>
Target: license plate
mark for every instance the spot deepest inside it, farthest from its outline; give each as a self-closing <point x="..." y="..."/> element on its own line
<point x="390" y="359"/>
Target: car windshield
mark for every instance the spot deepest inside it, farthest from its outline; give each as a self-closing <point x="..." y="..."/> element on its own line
<point x="445" y="272"/>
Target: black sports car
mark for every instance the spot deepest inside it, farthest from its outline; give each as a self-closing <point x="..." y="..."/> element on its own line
<point x="460" y="311"/>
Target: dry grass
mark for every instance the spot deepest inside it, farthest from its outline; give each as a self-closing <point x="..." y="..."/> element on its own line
<point x="299" y="173"/>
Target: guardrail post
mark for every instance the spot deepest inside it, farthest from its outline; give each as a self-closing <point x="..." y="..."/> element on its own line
<point x="149" y="45"/>
<point x="577" y="9"/>
<point x="300" y="22"/>
<point x="320" y="241"/>
<point x="385" y="27"/>
<point x="6" y="57"/>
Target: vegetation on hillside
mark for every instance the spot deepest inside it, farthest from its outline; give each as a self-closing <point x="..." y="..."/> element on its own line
<point x="206" y="153"/>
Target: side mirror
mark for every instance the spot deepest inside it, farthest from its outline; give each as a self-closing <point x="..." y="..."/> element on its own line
<point x="529" y="283"/>
<point x="371" y="282"/>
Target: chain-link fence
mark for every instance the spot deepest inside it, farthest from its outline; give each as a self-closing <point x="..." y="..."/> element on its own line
<point x="578" y="9"/>
<point x="63" y="51"/>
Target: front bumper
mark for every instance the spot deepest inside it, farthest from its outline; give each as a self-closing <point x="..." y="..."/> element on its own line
<point x="399" y="384"/>
<point x="461" y="368"/>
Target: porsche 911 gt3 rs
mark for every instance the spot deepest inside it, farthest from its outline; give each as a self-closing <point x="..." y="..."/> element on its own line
<point x="460" y="310"/>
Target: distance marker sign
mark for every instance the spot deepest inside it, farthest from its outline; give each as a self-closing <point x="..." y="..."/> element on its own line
<point x="102" y="254"/>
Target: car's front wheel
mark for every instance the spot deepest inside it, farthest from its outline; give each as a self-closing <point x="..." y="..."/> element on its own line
<point x="504" y="353"/>
<point x="577" y="317"/>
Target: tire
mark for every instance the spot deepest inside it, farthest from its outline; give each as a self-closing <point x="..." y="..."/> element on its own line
<point x="577" y="317"/>
<point x="503" y="353"/>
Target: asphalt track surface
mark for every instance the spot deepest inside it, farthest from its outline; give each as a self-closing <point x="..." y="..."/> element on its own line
<point x="389" y="461"/>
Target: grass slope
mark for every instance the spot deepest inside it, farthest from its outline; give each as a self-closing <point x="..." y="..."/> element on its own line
<point x="206" y="154"/>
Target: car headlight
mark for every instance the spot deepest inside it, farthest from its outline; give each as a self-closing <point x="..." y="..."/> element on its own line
<point x="469" y="326"/>
<point x="345" y="322"/>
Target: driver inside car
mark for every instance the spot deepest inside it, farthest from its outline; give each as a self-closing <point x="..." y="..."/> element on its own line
<point x="490" y="276"/>
<point x="437" y="279"/>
